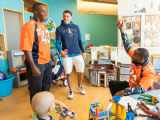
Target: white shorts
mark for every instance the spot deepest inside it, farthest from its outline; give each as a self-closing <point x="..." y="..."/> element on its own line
<point x="77" y="61"/>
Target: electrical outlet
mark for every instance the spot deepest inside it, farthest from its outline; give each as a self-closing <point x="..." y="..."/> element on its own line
<point x="87" y="36"/>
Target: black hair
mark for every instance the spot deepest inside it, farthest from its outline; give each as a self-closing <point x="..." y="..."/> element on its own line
<point x="144" y="53"/>
<point x="36" y="5"/>
<point x="67" y="11"/>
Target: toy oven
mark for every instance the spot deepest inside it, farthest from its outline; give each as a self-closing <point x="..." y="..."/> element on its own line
<point x="15" y="60"/>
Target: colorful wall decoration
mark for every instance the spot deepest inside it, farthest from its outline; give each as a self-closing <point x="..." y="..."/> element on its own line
<point x="132" y="26"/>
<point x="152" y="31"/>
<point x="143" y="30"/>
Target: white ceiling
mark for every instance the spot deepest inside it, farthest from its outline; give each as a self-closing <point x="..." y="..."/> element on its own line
<point x="100" y="8"/>
<point x="108" y="1"/>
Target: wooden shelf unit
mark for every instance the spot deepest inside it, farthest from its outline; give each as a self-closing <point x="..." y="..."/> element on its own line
<point x="3" y="45"/>
<point x="29" y="3"/>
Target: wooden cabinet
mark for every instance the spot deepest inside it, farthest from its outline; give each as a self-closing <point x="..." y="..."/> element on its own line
<point x="3" y="46"/>
<point x="29" y="3"/>
<point x="101" y="74"/>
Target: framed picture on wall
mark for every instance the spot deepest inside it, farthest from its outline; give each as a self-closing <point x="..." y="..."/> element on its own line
<point x="143" y="30"/>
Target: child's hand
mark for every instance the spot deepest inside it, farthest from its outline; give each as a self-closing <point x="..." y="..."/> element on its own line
<point x="62" y="105"/>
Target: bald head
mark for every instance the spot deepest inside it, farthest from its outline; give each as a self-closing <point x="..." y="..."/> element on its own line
<point x="40" y="12"/>
<point x="43" y="103"/>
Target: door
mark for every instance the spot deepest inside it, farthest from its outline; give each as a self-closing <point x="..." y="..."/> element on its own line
<point x="93" y="77"/>
<point x="13" y="30"/>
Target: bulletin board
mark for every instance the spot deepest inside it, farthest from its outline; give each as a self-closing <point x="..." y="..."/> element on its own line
<point x="132" y="27"/>
<point x="152" y="31"/>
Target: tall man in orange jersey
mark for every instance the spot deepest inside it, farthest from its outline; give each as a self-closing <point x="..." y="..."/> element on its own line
<point x="35" y="43"/>
<point x="142" y="73"/>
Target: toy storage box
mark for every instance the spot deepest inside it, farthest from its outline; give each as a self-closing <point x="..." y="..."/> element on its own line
<point x="124" y="72"/>
<point x="6" y="86"/>
<point x="124" y="78"/>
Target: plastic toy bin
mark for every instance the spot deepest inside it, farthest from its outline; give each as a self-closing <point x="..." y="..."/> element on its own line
<point x="6" y="86"/>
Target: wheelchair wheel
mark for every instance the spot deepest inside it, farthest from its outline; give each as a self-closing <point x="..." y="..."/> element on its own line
<point x="54" y="82"/>
<point x="65" y="82"/>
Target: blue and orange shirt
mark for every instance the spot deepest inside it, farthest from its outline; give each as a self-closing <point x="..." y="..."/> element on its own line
<point x="38" y="118"/>
<point x="143" y="75"/>
<point x="35" y="38"/>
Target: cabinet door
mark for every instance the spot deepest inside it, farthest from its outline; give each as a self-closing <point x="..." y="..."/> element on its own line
<point x="109" y="77"/>
<point x="93" y="77"/>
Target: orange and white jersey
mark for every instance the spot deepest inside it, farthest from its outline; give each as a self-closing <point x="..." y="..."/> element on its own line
<point x="35" y="38"/>
<point x="143" y="75"/>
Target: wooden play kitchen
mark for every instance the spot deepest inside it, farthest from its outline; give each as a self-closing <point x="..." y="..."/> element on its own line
<point x="100" y="74"/>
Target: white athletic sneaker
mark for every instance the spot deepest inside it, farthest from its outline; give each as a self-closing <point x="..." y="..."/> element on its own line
<point x="70" y="96"/>
<point x="83" y="92"/>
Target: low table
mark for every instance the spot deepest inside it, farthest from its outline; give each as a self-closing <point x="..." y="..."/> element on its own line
<point x="150" y="92"/>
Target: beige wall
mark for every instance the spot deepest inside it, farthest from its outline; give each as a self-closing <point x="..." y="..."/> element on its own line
<point x="128" y="7"/>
